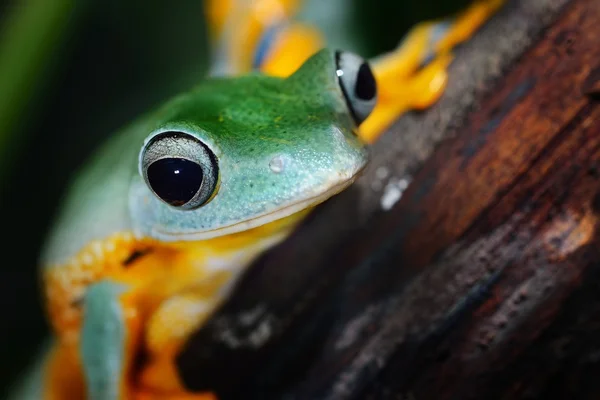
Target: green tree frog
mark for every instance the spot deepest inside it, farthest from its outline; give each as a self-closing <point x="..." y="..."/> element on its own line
<point x="170" y="211"/>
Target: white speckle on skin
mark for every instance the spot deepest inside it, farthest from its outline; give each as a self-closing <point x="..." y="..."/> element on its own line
<point x="87" y="259"/>
<point x="109" y="247"/>
<point x="277" y="164"/>
<point x="97" y="249"/>
<point x="393" y="192"/>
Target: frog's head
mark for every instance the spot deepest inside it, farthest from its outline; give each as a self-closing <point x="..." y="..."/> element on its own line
<point x="239" y="153"/>
<point x="231" y="155"/>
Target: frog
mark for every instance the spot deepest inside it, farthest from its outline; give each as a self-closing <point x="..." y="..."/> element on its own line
<point x="167" y="215"/>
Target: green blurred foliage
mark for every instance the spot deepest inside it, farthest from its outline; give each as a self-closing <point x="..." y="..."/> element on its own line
<point x="115" y="60"/>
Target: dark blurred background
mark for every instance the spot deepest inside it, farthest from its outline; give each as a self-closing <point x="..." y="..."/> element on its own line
<point x="71" y="72"/>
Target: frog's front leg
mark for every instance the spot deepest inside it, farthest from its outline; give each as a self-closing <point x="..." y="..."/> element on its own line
<point x="109" y="337"/>
<point x="93" y="364"/>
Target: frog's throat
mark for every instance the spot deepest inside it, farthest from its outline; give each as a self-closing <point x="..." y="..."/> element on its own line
<point x="255" y="222"/>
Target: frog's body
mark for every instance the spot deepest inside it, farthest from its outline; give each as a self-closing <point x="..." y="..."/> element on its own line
<point x="278" y="154"/>
<point x="155" y="231"/>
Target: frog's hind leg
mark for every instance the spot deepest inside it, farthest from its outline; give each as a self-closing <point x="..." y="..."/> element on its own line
<point x="258" y="35"/>
<point x="414" y="76"/>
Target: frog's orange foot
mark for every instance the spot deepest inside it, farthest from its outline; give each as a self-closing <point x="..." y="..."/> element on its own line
<point x="414" y="76"/>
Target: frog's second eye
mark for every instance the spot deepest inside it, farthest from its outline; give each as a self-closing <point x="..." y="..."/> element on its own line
<point x="357" y="83"/>
<point x="180" y="169"/>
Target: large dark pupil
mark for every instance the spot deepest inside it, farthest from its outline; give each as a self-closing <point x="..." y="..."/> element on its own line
<point x="175" y="180"/>
<point x="366" y="88"/>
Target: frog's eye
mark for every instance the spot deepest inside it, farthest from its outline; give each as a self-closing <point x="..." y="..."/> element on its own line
<point x="357" y="83"/>
<point x="180" y="169"/>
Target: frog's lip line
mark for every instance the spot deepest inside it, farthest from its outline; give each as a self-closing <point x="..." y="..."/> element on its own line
<point x="257" y="221"/>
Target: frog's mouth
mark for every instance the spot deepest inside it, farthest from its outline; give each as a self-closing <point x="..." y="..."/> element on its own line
<point x="286" y="213"/>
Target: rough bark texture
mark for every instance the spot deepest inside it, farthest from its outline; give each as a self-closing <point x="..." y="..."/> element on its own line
<point x="482" y="281"/>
